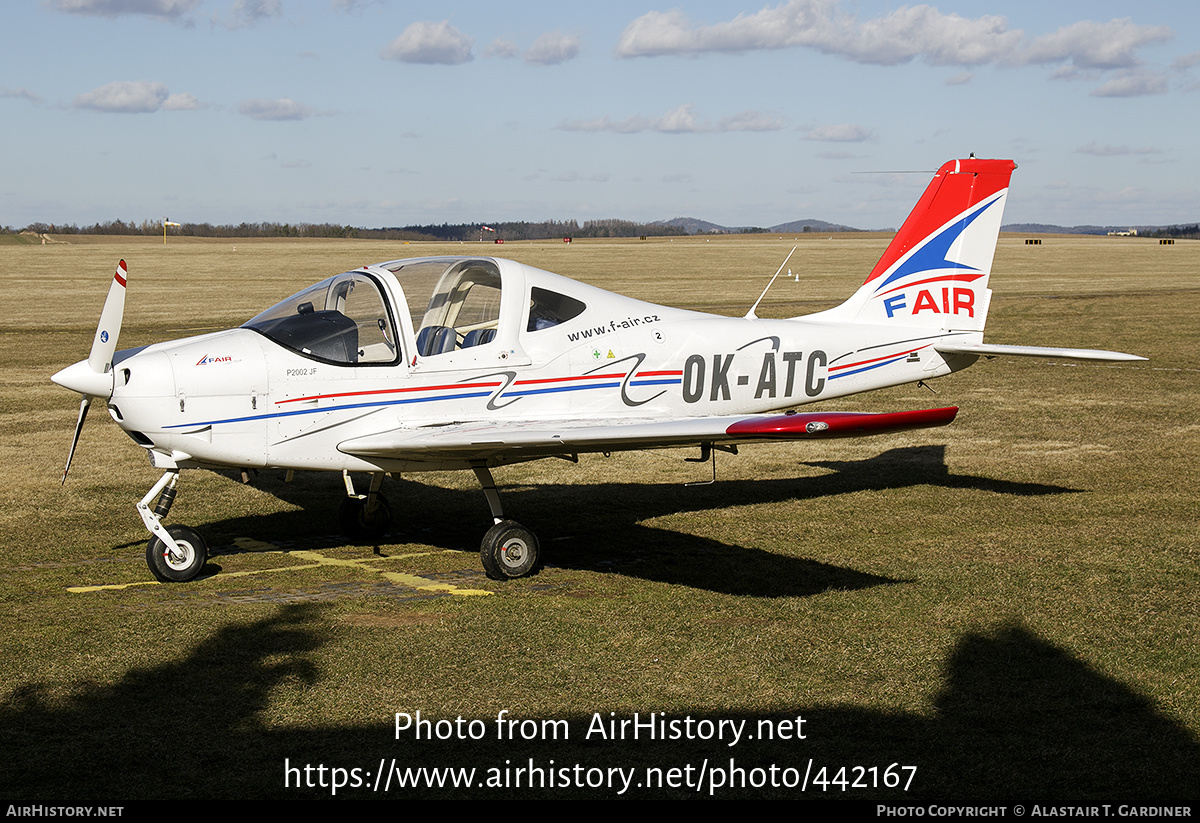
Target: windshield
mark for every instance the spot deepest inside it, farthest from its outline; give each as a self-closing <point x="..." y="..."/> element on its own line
<point x="343" y="320"/>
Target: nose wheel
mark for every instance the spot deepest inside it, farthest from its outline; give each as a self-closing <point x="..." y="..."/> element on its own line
<point x="180" y="563"/>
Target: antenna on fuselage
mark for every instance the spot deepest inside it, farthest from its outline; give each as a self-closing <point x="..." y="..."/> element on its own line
<point x="750" y="315"/>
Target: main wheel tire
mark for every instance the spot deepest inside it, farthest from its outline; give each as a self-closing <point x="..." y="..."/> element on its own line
<point x="180" y="568"/>
<point x="358" y="525"/>
<point x="509" y="550"/>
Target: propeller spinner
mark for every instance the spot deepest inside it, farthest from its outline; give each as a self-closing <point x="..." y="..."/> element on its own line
<point x="94" y="377"/>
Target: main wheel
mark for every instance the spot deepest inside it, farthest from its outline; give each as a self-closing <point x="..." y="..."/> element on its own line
<point x="177" y="568"/>
<point x="509" y="550"/>
<point x="358" y="525"/>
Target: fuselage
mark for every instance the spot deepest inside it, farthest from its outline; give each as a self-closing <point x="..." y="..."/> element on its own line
<point x="412" y="344"/>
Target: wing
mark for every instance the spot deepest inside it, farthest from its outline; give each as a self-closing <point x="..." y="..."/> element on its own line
<point x="513" y="441"/>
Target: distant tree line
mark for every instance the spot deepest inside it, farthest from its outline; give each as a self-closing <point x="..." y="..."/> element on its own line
<point x="520" y="230"/>
<point x="545" y="230"/>
<point x="155" y="227"/>
<point x="1192" y="231"/>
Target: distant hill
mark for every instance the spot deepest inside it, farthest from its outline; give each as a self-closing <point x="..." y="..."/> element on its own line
<point x="811" y="225"/>
<point x="1049" y="228"/>
<point x="693" y="225"/>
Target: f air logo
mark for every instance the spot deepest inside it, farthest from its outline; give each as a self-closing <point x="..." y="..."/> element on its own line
<point x="953" y="301"/>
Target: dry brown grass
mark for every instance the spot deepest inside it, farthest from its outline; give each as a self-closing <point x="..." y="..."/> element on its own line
<point x="1008" y="603"/>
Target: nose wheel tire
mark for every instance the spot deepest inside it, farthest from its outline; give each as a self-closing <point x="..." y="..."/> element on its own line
<point x="509" y="550"/>
<point x="172" y="567"/>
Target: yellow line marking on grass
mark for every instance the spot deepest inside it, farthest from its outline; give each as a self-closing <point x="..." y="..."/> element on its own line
<point x="317" y="559"/>
<point x="84" y="589"/>
<point x="410" y="580"/>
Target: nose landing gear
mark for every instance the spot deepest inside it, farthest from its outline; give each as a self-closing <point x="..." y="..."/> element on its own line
<point x="175" y="554"/>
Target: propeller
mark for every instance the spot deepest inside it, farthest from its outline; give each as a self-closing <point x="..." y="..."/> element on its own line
<point x="93" y="377"/>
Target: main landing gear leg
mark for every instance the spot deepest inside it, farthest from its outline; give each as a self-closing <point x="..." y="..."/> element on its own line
<point x="365" y="516"/>
<point x="175" y="554"/>
<point x="509" y="550"/>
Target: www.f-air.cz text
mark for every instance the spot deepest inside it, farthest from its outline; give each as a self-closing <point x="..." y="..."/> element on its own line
<point x="654" y="726"/>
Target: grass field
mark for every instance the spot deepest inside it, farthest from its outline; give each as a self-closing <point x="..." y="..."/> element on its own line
<point x="1008" y="604"/>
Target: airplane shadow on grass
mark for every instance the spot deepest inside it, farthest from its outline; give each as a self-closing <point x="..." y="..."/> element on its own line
<point x="1017" y="720"/>
<point x="600" y="526"/>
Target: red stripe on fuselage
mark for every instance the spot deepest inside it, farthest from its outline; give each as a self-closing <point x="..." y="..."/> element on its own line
<point x="390" y="391"/>
<point x="876" y="359"/>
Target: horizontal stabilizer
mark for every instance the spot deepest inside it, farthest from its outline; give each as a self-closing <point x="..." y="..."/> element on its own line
<point x="1035" y="351"/>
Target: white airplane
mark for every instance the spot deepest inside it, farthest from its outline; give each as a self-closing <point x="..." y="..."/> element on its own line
<point x="472" y="363"/>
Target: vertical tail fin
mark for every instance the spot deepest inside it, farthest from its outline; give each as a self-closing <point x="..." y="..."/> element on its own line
<point x="935" y="271"/>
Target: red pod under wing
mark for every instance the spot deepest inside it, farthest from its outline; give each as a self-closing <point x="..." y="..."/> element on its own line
<point x="839" y="424"/>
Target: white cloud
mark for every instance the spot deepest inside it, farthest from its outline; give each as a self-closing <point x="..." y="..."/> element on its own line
<point x="426" y="42"/>
<point x="1132" y="83"/>
<point x="576" y="177"/>
<point x="749" y="121"/>
<point x="901" y="36"/>
<point x="552" y="48"/>
<point x="248" y="12"/>
<point x="125" y="97"/>
<point x="681" y="120"/>
<point x="20" y="94"/>
<point x="1112" y="151"/>
<point x="1187" y="61"/>
<point x="136" y="97"/>
<point x="1091" y="45"/>
<point x="960" y="79"/>
<point x="166" y="9"/>
<point x="503" y="48"/>
<point x="841" y="133"/>
<point x="281" y="109"/>
<point x="182" y="102"/>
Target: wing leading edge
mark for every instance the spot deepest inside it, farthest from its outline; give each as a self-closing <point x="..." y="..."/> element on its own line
<point x="513" y="441"/>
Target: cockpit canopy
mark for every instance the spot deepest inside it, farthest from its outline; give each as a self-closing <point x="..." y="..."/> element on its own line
<point x="342" y="320"/>
<point x="454" y="305"/>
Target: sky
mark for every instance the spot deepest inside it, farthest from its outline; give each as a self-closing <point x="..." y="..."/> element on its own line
<point x="384" y="113"/>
